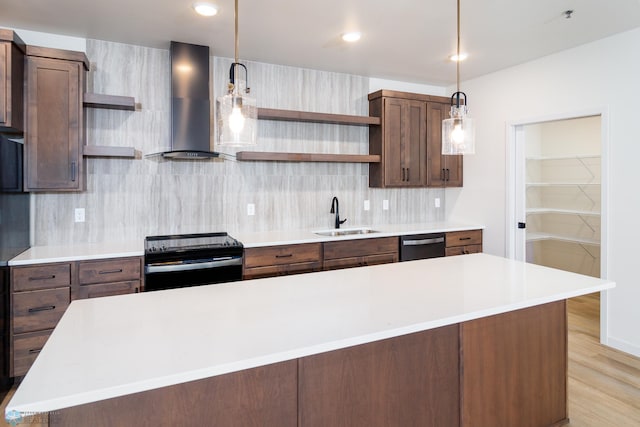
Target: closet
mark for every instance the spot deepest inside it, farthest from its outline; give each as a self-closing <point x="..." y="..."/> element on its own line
<point x="563" y="194"/>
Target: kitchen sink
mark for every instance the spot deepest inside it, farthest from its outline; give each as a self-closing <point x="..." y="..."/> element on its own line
<point x="345" y="232"/>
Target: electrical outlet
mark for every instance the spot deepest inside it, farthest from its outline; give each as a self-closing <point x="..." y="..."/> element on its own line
<point x="251" y="209"/>
<point x="79" y="214"/>
<point x="367" y="205"/>
<point x="385" y="205"/>
<point x="436" y="202"/>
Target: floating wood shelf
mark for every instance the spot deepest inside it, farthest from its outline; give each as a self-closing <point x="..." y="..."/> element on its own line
<point x="104" y="151"/>
<point x="307" y="116"/>
<point x="109" y="102"/>
<point x="305" y="157"/>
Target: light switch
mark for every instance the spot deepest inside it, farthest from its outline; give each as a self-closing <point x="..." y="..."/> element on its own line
<point x="251" y="209"/>
<point x="385" y="205"/>
<point x="367" y="205"/>
<point x="436" y="202"/>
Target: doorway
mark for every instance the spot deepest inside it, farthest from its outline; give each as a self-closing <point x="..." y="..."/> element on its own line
<point x="557" y="195"/>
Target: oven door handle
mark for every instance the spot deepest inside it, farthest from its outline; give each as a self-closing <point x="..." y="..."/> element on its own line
<point x="217" y="262"/>
<point x="423" y="241"/>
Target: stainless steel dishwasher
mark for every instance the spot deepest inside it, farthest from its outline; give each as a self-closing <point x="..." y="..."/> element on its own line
<point x="421" y="246"/>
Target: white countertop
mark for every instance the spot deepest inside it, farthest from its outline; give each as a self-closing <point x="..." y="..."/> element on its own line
<point x="114" y="346"/>
<point x="290" y="237"/>
<point x="88" y="251"/>
<point x="79" y="252"/>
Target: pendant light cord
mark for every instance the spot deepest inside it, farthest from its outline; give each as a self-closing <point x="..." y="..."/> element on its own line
<point x="458" y="52"/>
<point x="236" y="33"/>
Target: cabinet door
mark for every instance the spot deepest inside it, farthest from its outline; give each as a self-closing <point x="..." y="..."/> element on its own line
<point x="55" y="129"/>
<point x="442" y="170"/>
<point x="405" y="143"/>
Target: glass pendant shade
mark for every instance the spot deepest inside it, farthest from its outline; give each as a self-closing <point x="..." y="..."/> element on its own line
<point x="237" y="118"/>
<point x="458" y="132"/>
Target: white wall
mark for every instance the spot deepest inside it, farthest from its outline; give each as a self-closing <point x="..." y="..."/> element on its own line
<point x="602" y="74"/>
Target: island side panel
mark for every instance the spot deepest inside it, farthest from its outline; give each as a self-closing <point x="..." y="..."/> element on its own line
<point x="515" y="368"/>
<point x="411" y="380"/>
<point x="260" y="397"/>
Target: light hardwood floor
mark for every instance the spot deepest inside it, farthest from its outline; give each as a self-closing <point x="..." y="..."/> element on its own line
<point x="604" y="384"/>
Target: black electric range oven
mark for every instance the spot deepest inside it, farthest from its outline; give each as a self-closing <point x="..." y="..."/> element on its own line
<point x="184" y="260"/>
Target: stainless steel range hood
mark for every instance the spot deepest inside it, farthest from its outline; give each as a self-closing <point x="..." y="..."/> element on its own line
<point x="190" y="103"/>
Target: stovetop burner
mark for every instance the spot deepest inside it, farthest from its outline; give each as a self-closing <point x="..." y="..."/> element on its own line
<point x="183" y="242"/>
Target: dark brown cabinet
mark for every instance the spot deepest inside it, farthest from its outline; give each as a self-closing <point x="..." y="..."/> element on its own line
<point x="109" y="277"/>
<point x="411" y="380"/>
<point x="409" y="141"/>
<point x="443" y="171"/>
<point x="360" y="252"/>
<point x="401" y="141"/>
<point x="55" y="131"/>
<point x="463" y="242"/>
<point x="282" y="260"/>
<point x="12" y="50"/>
<point x="41" y="293"/>
<point x="514" y="368"/>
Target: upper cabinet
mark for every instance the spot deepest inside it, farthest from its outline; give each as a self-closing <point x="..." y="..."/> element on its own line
<point x="409" y="142"/>
<point x="444" y="171"/>
<point x="401" y="141"/>
<point x="55" y="125"/>
<point x="12" y="50"/>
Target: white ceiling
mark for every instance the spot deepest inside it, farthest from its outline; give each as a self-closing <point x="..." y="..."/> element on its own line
<point x="406" y="40"/>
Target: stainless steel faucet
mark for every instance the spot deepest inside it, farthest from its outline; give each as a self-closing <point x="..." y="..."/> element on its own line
<point x="335" y="209"/>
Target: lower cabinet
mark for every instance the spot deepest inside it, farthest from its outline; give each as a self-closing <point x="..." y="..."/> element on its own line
<point x="463" y="242"/>
<point x="41" y="293"/>
<point x="282" y="260"/>
<point x="108" y="277"/>
<point x="411" y="380"/>
<point x="360" y="252"/>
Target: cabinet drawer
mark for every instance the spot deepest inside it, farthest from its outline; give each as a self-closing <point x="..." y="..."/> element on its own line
<point x="26" y="348"/>
<point x="463" y="250"/>
<point x="360" y="247"/>
<point x="464" y="238"/>
<point x="38" y="310"/>
<point x="281" y="270"/>
<point x="41" y="276"/>
<point x="286" y="254"/>
<point x="108" y="289"/>
<point x="335" y="264"/>
<point x="113" y="270"/>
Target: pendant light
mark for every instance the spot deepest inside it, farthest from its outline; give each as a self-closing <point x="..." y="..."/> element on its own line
<point x="237" y="114"/>
<point x="459" y="131"/>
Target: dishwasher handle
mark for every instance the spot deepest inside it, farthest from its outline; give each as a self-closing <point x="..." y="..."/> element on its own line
<point x="215" y="262"/>
<point x="422" y="242"/>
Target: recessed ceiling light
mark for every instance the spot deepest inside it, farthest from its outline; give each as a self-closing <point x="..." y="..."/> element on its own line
<point x="351" y="37"/>
<point x="205" y="9"/>
<point x="457" y="58"/>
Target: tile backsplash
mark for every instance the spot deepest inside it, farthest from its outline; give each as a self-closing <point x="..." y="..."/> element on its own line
<point x="131" y="198"/>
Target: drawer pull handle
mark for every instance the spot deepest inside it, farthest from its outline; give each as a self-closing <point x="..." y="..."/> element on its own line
<point x="119" y="270"/>
<point x="284" y="256"/>
<point x="35" y="350"/>
<point x="465" y="238"/>
<point x="45" y="308"/>
<point x="53" y="276"/>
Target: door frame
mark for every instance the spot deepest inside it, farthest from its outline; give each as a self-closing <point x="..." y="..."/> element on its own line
<point x="512" y="138"/>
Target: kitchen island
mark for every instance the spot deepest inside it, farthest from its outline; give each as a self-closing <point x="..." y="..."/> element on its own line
<point x="466" y="340"/>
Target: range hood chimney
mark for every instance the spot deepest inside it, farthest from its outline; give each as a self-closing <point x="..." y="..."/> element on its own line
<point x="190" y="103"/>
